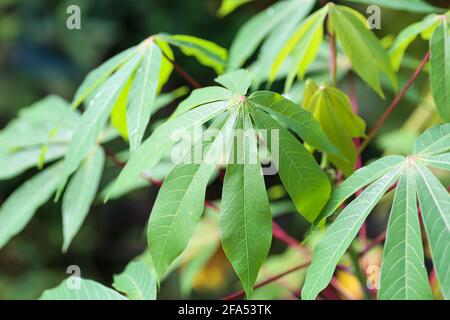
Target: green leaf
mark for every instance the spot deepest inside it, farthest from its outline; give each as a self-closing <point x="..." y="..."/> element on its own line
<point x="362" y="47"/>
<point x="229" y="6"/>
<point x="166" y="64"/>
<point x="88" y="290"/>
<point x="403" y="273"/>
<point x="305" y="42"/>
<point x="277" y="38"/>
<point x="406" y="37"/>
<point x="260" y="26"/>
<point x="440" y="161"/>
<point x="94" y="119"/>
<point x="202" y="96"/>
<point x="153" y="149"/>
<point x="237" y="81"/>
<point x="99" y="75"/>
<point x="340" y="234"/>
<point x="142" y="94"/>
<point x="137" y="281"/>
<point x="206" y="52"/>
<point x="359" y="179"/>
<point x="13" y="164"/>
<point x="433" y="141"/>
<point x="19" y="208"/>
<point x="245" y="219"/>
<point x="440" y="69"/>
<point x="301" y="121"/>
<point x="179" y="205"/>
<point x="331" y="107"/>
<point x="434" y="202"/>
<point x="307" y="185"/>
<point x="417" y="6"/>
<point x="80" y="194"/>
<point x="119" y="111"/>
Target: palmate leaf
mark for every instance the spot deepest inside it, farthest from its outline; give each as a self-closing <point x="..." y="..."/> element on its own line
<point x="304" y="42"/>
<point x="357" y="181"/>
<point x="94" y="119"/>
<point x="340" y="234"/>
<point x="88" y="290"/>
<point x="19" y="208"/>
<point x="301" y="121"/>
<point x="180" y="202"/>
<point x="260" y="26"/>
<point x="245" y="218"/>
<point x="142" y="94"/>
<point x="362" y="47"/>
<point x="403" y="273"/>
<point x="307" y="185"/>
<point x="80" y="194"/>
<point x="228" y="6"/>
<point x="440" y="68"/>
<point x="407" y="36"/>
<point x="206" y="52"/>
<point x="137" y="282"/>
<point x="418" y="6"/>
<point x="275" y="41"/>
<point x="331" y="107"/>
<point x="434" y="203"/>
<point x="153" y="149"/>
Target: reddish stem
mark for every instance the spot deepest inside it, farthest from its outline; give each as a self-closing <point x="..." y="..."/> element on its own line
<point x="241" y="293"/>
<point x="394" y="103"/>
<point x="183" y="73"/>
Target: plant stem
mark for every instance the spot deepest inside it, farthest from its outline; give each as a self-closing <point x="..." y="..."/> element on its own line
<point x="241" y="293"/>
<point x="394" y="103"/>
<point x="183" y="73"/>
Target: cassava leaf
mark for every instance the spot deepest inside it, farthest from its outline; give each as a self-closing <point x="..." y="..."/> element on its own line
<point x="142" y="94"/>
<point x="301" y="121"/>
<point x="441" y="161"/>
<point x="340" y="234"/>
<point x="406" y="37"/>
<point x="137" y="282"/>
<point x="362" y="47"/>
<point x="202" y="96"/>
<point x="307" y="185"/>
<point x="260" y="26"/>
<point x="418" y="6"/>
<point x="206" y="52"/>
<point x="20" y="206"/>
<point x="228" y="6"/>
<point x="434" y="202"/>
<point x="331" y="107"/>
<point x="94" y="119"/>
<point x="433" y="141"/>
<point x="99" y="75"/>
<point x="403" y="273"/>
<point x="87" y="290"/>
<point x="245" y="219"/>
<point x="305" y="42"/>
<point x="153" y="149"/>
<point x="237" y="81"/>
<point x="180" y="202"/>
<point x="13" y="164"/>
<point x="358" y="180"/>
<point x="440" y="69"/>
<point x="80" y="194"/>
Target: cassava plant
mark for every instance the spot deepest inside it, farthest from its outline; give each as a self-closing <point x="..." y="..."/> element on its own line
<point x="284" y="95"/>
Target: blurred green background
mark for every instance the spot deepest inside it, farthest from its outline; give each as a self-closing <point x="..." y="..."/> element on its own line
<point x="40" y="56"/>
